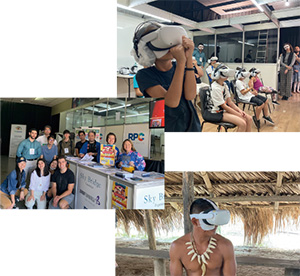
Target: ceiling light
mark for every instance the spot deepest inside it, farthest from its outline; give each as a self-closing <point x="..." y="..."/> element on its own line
<point x="287" y="3"/>
<point x="257" y="5"/>
<point x="142" y="13"/>
<point x="246" y="43"/>
<point x="22" y="101"/>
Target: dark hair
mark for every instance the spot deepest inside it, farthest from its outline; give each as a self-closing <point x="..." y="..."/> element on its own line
<point x="81" y="131"/>
<point x="91" y="131"/>
<point x="66" y="131"/>
<point x="200" y="44"/>
<point x="290" y="56"/>
<point x="50" y="136"/>
<point x="200" y="205"/>
<point x="111" y="133"/>
<point x="19" y="175"/>
<point x="33" y="129"/>
<point x="38" y="171"/>
<point x="61" y="157"/>
<point x="47" y="126"/>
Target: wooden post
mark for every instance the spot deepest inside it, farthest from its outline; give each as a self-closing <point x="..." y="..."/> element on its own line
<point x="277" y="190"/>
<point x="188" y="198"/>
<point x="159" y="264"/>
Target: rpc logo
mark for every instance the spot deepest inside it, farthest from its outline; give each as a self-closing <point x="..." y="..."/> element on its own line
<point x="139" y="136"/>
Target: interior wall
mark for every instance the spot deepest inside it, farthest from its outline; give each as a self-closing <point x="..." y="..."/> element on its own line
<point x="33" y="116"/>
<point x="66" y="105"/>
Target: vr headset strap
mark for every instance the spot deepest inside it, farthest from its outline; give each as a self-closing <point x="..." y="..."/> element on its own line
<point x="153" y="48"/>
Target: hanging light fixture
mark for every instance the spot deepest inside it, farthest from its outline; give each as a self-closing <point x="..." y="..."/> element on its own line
<point x="287" y="3"/>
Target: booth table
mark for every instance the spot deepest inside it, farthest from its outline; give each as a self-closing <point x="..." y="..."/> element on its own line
<point x="97" y="187"/>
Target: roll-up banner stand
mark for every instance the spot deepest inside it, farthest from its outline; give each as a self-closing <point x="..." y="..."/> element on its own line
<point x="139" y="134"/>
<point x="17" y="134"/>
<point x="100" y="133"/>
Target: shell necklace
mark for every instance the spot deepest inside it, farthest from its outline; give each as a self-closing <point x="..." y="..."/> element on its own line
<point x="201" y="257"/>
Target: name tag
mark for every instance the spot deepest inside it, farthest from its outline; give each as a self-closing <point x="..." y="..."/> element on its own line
<point x="66" y="150"/>
<point x="200" y="59"/>
<point x="31" y="151"/>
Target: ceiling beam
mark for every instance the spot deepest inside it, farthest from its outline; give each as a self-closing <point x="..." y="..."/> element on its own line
<point x="173" y="17"/>
<point x="134" y="3"/>
<point x="238" y="26"/>
<point x="227" y="199"/>
<point x="270" y="15"/>
<point x="262" y="2"/>
<point x="286" y="13"/>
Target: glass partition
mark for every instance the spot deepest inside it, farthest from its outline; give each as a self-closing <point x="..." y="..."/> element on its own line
<point x="229" y="47"/>
<point x="208" y="42"/>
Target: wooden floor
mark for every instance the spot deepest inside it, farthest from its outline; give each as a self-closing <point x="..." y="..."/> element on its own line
<point x="286" y="117"/>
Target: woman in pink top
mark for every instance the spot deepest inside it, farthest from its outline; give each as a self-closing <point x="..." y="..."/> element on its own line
<point x="256" y="84"/>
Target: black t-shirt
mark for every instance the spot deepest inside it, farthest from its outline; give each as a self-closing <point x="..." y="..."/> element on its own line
<point x="62" y="180"/>
<point x="92" y="148"/>
<point x="179" y="119"/>
<point x="79" y="145"/>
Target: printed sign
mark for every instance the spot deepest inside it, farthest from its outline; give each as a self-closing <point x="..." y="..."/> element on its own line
<point x="139" y="134"/>
<point x="17" y="135"/>
<point x="107" y="155"/>
<point x="150" y="198"/>
<point x="119" y="196"/>
<point x="91" y="190"/>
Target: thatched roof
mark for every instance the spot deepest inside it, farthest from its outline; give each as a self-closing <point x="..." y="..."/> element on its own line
<point x="265" y="201"/>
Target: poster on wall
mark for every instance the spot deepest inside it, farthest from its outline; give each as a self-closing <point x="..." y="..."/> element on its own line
<point x="107" y="155"/>
<point x="91" y="190"/>
<point x="139" y="134"/>
<point x="17" y="134"/>
<point x="100" y="133"/>
<point x="119" y="196"/>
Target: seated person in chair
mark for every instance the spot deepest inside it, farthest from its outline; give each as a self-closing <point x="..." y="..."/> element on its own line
<point x="256" y="84"/>
<point x="251" y="95"/>
<point x="221" y="107"/>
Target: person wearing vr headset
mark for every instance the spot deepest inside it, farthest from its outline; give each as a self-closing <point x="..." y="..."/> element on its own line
<point x="200" y="55"/>
<point x="257" y="86"/>
<point x="203" y="252"/>
<point x="251" y="95"/>
<point x="159" y="44"/>
<point x="211" y="66"/>
<point x="287" y="60"/>
<point x="221" y="108"/>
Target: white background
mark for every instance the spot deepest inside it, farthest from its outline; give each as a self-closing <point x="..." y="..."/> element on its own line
<point x="57" y="48"/>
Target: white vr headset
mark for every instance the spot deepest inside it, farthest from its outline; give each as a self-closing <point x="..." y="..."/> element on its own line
<point x="156" y="43"/>
<point x="212" y="59"/>
<point x="254" y="72"/>
<point x="211" y="218"/>
<point x="241" y="73"/>
<point x="222" y="71"/>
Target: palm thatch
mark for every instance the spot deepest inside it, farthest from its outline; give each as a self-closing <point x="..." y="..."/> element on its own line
<point x="264" y="201"/>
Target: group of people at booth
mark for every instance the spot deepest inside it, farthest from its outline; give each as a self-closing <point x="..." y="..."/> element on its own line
<point x="42" y="175"/>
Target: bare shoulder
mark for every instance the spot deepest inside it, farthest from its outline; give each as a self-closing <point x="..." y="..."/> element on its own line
<point x="224" y="243"/>
<point x="179" y="243"/>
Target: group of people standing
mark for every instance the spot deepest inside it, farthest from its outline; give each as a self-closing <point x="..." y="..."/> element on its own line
<point x="42" y="175"/>
<point x="289" y="71"/>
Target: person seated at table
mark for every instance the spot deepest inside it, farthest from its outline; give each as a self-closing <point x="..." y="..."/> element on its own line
<point x="39" y="185"/>
<point x="249" y="94"/>
<point x="49" y="151"/>
<point x="130" y="157"/>
<point x="111" y="139"/>
<point x="91" y="147"/>
<point x="63" y="182"/>
<point x="79" y="144"/>
<point x="14" y="185"/>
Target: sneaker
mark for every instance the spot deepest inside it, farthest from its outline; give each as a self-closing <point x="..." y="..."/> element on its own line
<point x="268" y="119"/>
<point x="255" y="121"/>
<point x="275" y="102"/>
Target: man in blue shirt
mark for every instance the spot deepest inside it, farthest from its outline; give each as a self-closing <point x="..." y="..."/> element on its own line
<point x="200" y="55"/>
<point x="31" y="150"/>
<point x="92" y="147"/>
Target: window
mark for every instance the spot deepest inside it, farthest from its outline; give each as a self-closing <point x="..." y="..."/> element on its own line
<point x="115" y="112"/>
<point x="137" y="111"/>
<point x="229" y="47"/>
<point x="261" y="46"/>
